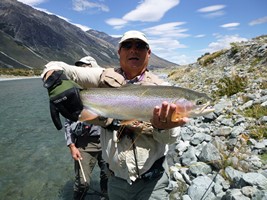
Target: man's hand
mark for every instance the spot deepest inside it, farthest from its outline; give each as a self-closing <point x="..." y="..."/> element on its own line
<point x="162" y="117"/>
<point x="75" y="153"/>
<point x="64" y="98"/>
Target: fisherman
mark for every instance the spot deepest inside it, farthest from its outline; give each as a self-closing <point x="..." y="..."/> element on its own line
<point x="136" y="156"/>
<point x="83" y="140"/>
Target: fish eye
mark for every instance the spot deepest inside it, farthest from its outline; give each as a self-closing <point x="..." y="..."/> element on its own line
<point x="199" y="102"/>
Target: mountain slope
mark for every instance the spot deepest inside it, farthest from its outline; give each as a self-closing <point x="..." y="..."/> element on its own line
<point x="41" y="37"/>
<point x="243" y="59"/>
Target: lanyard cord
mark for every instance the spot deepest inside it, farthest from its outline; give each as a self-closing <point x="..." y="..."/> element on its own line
<point x="135" y="156"/>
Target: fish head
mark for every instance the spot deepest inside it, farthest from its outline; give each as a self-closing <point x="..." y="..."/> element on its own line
<point x="192" y="108"/>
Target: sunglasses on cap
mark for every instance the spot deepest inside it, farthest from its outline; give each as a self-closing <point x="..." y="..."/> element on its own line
<point x="138" y="45"/>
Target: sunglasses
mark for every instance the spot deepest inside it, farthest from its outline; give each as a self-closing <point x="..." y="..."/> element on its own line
<point x="138" y="45"/>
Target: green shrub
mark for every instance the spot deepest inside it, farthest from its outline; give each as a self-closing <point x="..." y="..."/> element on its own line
<point x="255" y="61"/>
<point x="264" y="158"/>
<point x="20" y="72"/>
<point x="258" y="132"/>
<point x="256" y="111"/>
<point x="234" y="49"/>
<point x="263" y="85"/>
<point x="231" y="85"/>
<point x="208" y="59"/>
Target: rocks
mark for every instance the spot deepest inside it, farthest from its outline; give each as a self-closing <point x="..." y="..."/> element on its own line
<point x="201" y="188"/>
<point x="216" y="156"/>
<point x="210" y="154"/>
<point x="200" y="168"/>
<point x="254" y="179"/>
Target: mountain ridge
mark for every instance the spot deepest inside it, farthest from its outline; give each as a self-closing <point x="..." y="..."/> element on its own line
<point x="49" y="37"/>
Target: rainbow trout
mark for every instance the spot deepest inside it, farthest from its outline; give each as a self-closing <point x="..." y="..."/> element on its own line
<point x="136" y="102"/>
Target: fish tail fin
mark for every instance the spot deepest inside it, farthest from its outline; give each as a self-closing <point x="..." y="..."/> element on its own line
<point x="87" y="115"/>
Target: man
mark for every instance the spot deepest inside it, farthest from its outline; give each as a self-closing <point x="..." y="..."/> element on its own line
<point x="137" y="162"/>
<point x="87" y="61"/>
<point x="83" y="141"/>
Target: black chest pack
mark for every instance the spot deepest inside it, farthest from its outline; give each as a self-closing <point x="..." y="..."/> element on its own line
<point x="82" y="129"/>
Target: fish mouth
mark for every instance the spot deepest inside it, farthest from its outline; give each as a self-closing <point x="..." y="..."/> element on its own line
<point x="203" y="110"/>
<point x="196" y="111"/>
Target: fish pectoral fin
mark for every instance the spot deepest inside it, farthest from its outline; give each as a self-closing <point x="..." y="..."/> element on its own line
<point x="176" y="117"/>
<point x="178" y="114"/>
<point x="86" y="115"/>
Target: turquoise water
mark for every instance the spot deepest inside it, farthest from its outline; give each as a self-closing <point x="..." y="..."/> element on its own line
<point x="34" y="160"/>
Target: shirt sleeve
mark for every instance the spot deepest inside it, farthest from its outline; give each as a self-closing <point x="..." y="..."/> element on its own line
<point x="84" y="76"/>
<point x="69" y="137"/>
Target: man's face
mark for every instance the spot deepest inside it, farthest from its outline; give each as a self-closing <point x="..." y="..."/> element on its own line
<point x="134" y="57"/>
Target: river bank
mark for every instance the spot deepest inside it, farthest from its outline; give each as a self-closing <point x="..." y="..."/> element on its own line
<point x="11" y="77"/>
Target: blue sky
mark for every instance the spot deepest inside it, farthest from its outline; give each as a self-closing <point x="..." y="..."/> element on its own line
<point x="178" y="30"/>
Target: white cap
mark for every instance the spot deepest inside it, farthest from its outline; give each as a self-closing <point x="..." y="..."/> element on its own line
<point x="134" y="35"/>
<point x="87" y="60"/>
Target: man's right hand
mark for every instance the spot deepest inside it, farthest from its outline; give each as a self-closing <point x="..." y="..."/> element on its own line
<point x="64" y="98"/>
<point x="75" y="153"/>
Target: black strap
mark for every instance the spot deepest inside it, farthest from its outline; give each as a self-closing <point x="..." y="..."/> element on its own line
<point x="135" y="154"/>
<point x="55" y="79"/>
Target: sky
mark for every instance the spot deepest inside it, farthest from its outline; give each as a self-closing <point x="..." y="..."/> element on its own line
<point x="179" y="31"/>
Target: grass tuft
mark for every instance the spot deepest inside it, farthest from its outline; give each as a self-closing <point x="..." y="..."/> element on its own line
<point x="231" y="85"/>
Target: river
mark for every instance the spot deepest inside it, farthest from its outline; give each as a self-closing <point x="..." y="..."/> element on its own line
<point x="35" y="161"/>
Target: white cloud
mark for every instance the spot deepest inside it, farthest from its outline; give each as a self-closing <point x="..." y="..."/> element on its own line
<point x="84" y="28"/>
<point x="211" y="8"/>
<point x="230" y="26"/>
<point x="150" y="10"/>
<point x="32" y="2"/>
<point x="258" y="21"/>
<point x="212" y="11"/>
<point x="223" y="42"/>
<point x="81" y="5"/>
<point x="146" y="11"/>
<point x="164" y="41"/>
<point x="215" y="14"/>
<point x="182" y="59"/>
<point x="165" y="44"/>
<point x="116" y="22"/>
<point x="44" y="10"/>
<point x="200" y="36"/>
<point x="167" y="30"/>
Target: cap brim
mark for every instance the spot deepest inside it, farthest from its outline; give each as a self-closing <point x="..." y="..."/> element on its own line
<point x="79" y="63"/>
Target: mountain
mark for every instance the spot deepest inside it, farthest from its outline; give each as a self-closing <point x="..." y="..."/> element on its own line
<point x="29" y="38"/>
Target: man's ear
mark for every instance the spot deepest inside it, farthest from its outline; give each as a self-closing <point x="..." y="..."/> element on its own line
<point x="149" y="52"/>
